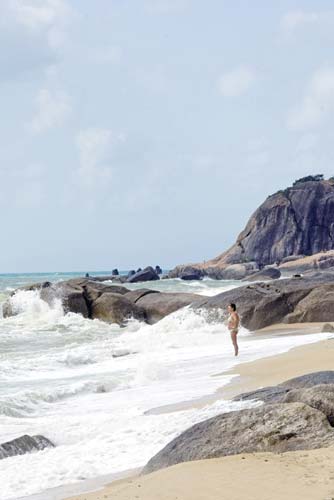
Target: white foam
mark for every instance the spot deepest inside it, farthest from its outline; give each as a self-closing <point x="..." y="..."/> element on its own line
<point x="60" y="369"/>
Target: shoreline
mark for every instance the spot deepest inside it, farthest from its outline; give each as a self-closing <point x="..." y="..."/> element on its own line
<point x="274" y="369"/>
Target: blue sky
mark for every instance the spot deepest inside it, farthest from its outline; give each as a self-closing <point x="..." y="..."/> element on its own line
<point x="140" y="132"/>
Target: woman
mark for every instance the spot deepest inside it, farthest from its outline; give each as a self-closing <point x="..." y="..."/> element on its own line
<point x="233" y="326"/>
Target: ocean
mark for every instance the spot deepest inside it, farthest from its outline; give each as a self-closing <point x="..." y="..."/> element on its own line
<point x="95" y="389"/>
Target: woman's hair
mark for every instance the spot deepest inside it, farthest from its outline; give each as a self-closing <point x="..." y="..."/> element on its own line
<point x="233" y="306"/>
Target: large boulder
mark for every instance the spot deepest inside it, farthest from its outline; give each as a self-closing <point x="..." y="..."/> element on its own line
<point x="272" y="427"/>
<point x="159" y="305"/>
<point x="147" y="274"/>
<point x="277" y="393"/>
<point x="306" y="299"/>
<point x="269" y="273"/>
<point x="24" y="444"/>
<point x="71" y="295"/>
<point x="135" y="295"/>
<point x="191" y="274"/>
<point x="320" y="397"/>
<point x="115" y="308"/>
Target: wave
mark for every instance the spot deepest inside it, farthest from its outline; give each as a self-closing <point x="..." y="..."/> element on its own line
<point x="29" y="305"/>
<point x="28" y="403"/>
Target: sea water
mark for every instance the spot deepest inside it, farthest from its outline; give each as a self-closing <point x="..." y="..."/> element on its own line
<point x="89" y="386"/>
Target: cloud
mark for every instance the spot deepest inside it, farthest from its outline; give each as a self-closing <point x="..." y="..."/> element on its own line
<point x="317" y="104"/>
<point x="52" y="110"/>
<point x="43" y="17"/>
<point x="96" y="153"/>
<point x="33" y="32"/>
<point x="237" y="81"/>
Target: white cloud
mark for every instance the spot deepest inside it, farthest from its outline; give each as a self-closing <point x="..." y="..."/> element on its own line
<point x="49" y="17"/>
<point x="317" y="104"/>
<point x="96" y="150"/>
<point x="52" y="110"/>
<point x="237" y="81"/>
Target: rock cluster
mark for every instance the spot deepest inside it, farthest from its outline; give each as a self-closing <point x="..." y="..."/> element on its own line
<point x="110" y="303"/>
<point x="301" y="419"/>
<point x="296" y="300"/>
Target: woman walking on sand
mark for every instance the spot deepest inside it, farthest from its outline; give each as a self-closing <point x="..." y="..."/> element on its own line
<point x="233" y="326"/>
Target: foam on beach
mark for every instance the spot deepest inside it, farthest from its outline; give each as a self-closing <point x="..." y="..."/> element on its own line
<point x="63" y="369"/>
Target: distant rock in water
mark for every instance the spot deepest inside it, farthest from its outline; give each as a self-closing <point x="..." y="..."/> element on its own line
<point x="115" y="272"/>
<point x="158" y="270"/>
<point x="24" y="444"/>
<point x="296" y="221"/>
<point x="147" y="274"/>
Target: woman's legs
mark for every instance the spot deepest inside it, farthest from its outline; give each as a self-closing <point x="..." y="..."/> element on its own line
<point x="234" y="334"/>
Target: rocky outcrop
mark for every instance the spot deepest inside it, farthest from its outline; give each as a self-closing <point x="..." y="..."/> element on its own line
<point x="271" y="427"/>
<point x="319" y="261"/>
<point x="296" y="221"/>
<point x="110" y="303"/>
<point x="266" y="274"/>
<point x="24" y="444"/>
<point x="147" y="274"/>
<point x="295" y="300"/>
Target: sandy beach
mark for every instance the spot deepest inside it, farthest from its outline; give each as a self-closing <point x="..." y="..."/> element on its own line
<point x="262" y="476"/>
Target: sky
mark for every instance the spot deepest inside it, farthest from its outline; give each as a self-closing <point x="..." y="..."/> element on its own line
<point x="144" y="132"/>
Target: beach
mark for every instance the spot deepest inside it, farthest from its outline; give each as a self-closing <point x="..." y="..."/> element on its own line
<point x="260" y="476"/>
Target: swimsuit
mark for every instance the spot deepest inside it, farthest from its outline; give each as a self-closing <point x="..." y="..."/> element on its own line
<point x="232" y="330"/>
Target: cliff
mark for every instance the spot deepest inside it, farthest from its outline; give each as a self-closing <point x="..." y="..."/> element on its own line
<point x="296" y="221"/>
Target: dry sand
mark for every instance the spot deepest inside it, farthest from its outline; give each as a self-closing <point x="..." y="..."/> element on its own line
<point x="307" y="475"/>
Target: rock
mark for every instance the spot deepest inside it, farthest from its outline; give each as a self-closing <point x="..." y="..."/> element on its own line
<point x="33" y="286"/>
<point x="158" y="270"/>
<point x="306" y="299"/>
<point x="135" y="295"/>
<point x="270" y="428"/>
<point x="115" y="308"/>
<point x="115" y="272"/>
<point x="138" y="270"/>
<point x="328" y="328"/>
<point x="291" y="258"/>
<point x="319" y="261"/>
<point x="294" y="221"/>
<point x="276" y="394"/>
<point x="72" y="297"/>
<point x="190" y="273"/>
<point x="270" y="394"/>
<point x="131" y="273"/>
<point x="269" y="273"/>
<point x="310" y="380"/>
<point x="148" y="274"/>
<point x="24" y="444"/>
<point x="320" y="397"/>
<point x="159" y="305"/>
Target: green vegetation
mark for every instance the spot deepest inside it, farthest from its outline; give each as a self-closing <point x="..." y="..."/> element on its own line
<point x="309" y="178"/>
